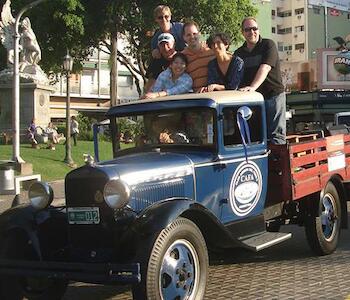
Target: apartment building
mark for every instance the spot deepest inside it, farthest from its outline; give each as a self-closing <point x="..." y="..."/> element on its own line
<point x="300" y="28"/>
<point x="90" y="89"/>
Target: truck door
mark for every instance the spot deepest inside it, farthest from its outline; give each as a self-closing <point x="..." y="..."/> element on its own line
<point x="245" y="166"/>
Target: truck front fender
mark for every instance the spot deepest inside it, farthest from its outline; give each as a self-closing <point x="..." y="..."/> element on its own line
<point x="27" y="223"/>
<point x="155" y="218"/>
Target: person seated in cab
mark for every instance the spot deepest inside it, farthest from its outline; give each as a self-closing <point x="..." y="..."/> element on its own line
<point x="225" y="72"/>
<point x="173" y="81"/>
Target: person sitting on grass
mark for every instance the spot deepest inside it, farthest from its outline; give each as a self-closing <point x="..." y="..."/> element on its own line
<point x="31" y="133"/>
<point x="172" y="81"/>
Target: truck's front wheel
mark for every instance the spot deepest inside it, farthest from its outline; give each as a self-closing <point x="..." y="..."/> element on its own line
<point x="178" y="263"/>
<point x="323" y="229"/>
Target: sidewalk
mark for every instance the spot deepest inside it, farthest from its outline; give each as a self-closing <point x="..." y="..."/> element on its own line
<point x="58" y="191"/>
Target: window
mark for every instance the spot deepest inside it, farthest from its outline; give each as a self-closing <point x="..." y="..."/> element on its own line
<point x="299" y="28"/>
<point x="284" y="14"/>
<point x="299" y="46"/>
<point x="299" y="11"/>
<point x="232" y="136"/>
<point x="273" y="29"/>
<point x="316" y="10"/>
<point x="273" y="12"/>
<point x="288" y="48"/>
<point x="285" y="30"/>
<point x="280" y="46"/>
<point x="192" y="127"/>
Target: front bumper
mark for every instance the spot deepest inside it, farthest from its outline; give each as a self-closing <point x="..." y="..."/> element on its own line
<point x="103" y="273"/>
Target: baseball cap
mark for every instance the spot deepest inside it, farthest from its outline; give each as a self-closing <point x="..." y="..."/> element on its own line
<point x="165" y="37"/>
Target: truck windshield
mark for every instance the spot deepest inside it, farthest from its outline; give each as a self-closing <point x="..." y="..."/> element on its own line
<point x="192" y="127"/>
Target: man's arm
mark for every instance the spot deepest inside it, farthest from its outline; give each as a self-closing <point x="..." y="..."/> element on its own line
<point x="259" y="78"/>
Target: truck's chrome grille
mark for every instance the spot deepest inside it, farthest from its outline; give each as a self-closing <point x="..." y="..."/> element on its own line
<point x="147" y="194"/>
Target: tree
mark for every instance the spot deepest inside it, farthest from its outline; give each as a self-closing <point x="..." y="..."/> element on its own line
<point x="136" y="24"/>
<point x="80" y="25"/>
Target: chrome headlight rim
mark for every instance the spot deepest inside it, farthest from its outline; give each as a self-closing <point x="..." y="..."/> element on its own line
<point x="40" y="195"/>
<point x="116" y="194"/>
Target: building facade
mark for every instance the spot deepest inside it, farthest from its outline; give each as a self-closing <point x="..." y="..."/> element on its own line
<point x="90" y="89"/>
<point x="299" y="28"/>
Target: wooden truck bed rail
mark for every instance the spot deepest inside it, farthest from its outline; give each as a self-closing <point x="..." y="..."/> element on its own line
<point x="302" y="168"/>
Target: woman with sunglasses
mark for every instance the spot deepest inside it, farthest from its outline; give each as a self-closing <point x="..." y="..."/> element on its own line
<point x="162" y="16"/>
<point x="225" y="72"/>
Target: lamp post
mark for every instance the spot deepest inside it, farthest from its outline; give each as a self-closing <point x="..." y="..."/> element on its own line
<point x="67" y="66"/>
<point x="15" y="84"/>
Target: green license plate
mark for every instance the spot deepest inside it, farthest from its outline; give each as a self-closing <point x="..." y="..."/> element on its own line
<point x="83" y="215"/>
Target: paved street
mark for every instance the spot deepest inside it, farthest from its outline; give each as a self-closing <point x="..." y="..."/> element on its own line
<point x="286" y="271"/>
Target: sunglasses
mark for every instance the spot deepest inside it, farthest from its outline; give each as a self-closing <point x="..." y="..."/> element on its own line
<point x="163" y="17"/>
<point x="248" y="29"/>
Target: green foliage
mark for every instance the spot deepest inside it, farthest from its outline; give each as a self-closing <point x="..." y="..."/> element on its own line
<point x="80" y="25"/>
<point x="130" y="127"/>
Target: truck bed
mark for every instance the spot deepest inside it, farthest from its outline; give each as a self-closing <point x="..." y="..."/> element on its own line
<point x="303" y="167"/>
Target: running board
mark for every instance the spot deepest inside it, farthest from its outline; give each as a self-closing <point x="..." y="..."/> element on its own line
<point x="265" y="240"/>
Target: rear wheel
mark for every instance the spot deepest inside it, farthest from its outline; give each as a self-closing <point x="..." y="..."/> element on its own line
<point x="27" y="287"/>
<point x="323" y="229"/>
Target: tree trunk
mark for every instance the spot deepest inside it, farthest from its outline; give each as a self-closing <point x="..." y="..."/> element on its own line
<point x="114" y="70"/>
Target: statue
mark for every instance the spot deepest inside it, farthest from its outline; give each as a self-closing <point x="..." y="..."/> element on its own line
<point x="30" y="52"/>
<point x="7" y="31"/>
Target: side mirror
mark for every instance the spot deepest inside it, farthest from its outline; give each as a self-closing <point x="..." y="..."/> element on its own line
<point x="245" y="112"/>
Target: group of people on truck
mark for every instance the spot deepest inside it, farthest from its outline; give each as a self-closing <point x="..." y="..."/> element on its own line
<point x="181" y="63"/>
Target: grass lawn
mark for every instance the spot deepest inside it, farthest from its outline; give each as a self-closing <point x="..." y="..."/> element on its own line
<point x="50" y="163"/>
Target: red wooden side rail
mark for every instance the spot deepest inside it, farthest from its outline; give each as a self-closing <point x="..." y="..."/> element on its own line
<point x="312" y="163"/>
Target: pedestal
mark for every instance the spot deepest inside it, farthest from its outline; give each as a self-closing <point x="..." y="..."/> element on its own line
<point x="34" y="103"/>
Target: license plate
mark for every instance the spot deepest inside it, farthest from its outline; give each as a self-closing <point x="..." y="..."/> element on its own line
<point x="83" y="215"/>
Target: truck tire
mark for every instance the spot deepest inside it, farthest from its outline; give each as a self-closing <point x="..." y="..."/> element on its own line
<point x="25" y="287"/>
<point x="178" y="264"/>
<point x="323" y="229"/>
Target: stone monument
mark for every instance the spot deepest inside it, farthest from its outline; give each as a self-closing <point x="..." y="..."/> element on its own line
<point x="34" y="85"/>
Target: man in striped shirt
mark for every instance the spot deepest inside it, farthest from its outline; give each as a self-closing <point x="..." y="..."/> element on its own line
<point x="198" y="55"/>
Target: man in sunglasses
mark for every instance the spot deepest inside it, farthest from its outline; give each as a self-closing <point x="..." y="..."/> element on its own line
<point x="166" y="47"/>
<point x="162" y="16"/>
<point x="262" y="73"/>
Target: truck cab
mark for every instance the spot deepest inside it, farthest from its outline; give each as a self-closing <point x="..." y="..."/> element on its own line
<point x="194" y="177"/>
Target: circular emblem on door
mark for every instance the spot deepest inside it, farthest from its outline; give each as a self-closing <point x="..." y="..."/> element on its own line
<point x="245" y="188"/>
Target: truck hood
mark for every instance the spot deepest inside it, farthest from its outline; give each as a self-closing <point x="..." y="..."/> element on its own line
<point x="150" y="166"/>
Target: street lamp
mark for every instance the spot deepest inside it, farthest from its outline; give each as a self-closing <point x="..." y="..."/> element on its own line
<point x="67" y="67"/>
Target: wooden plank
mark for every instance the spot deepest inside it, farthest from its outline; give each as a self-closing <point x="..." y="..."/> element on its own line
<point x="308" y="159"/>
<point x="306" y="187"/>
<point x="294" y="148"/>
<point x="306" y="173"/>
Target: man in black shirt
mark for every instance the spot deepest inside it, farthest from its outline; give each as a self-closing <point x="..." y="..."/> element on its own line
<point x="166" y="46"/>
<point x="262" y="73"/>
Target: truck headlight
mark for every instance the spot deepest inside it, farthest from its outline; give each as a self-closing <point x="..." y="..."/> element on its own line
<point x="40" y="195"/>
<point x="116" y="194"/>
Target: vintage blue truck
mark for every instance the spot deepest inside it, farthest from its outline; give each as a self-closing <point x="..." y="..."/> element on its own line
<point x="199" y="175"/>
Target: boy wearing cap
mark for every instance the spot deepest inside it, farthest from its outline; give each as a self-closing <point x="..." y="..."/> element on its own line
<point x="166" y="46"/>
<point x="162" y="16"/>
